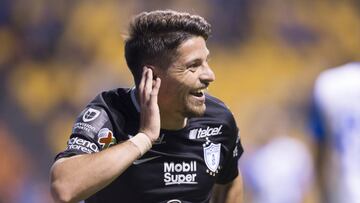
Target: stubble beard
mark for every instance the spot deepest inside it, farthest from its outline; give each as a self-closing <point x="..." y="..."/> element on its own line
<point x="193" y="110"/>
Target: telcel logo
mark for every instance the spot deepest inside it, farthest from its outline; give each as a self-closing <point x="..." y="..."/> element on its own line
<point x="202" y="133"/>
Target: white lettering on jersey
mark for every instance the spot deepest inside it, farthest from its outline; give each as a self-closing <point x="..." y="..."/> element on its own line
<point x="202" y="133"/>
<point x="180" y="173"/>
<point x="83" y="145"/>
<point x="84" y="126"/>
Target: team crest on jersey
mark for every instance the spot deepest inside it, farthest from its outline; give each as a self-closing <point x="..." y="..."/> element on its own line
<point x="212" y="157"/>
<point x="90" y="114"/>
<point x="106" y="138"/>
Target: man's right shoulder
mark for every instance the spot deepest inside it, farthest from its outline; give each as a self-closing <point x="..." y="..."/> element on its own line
<point x="118" y="104"/>
<point x="111" y="97"/>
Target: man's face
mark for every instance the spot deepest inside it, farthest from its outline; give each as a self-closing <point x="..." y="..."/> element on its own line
<point x="184" y="83"/>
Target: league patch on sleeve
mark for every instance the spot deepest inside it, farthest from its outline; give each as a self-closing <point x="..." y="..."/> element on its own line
<point x="90" y="115"/>
<point x="90" y="121"/>
<point x="106" y="138"/>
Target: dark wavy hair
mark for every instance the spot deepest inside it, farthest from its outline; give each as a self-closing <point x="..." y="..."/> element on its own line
<point x="155" y="36"/>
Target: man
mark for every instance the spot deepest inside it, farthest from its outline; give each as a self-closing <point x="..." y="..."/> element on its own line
<point x="172" y="143"/>
<point x="279" y="170"/>
<point x="336" y="126"/>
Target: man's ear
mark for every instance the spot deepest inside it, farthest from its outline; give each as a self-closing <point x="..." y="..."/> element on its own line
<point x="155" y="70"/>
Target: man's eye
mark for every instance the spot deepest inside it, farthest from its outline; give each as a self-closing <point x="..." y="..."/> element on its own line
<point x="193" y="66"/>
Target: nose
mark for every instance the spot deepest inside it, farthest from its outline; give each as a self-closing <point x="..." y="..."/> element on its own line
<point x="207" y="75"/>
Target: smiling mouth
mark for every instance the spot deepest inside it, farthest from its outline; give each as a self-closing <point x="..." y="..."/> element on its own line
<point x="198" y="93"/>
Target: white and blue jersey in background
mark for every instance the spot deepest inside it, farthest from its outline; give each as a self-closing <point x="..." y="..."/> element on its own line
<point x="336" y="126"/>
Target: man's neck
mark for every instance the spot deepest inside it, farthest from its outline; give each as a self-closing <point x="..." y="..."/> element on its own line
<point x="171" y="121"/>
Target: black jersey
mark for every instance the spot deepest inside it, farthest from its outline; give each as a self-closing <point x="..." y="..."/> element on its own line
<point x="182" y="165"/>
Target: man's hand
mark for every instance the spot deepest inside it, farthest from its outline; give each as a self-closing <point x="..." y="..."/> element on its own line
<point x="149" y="113"/>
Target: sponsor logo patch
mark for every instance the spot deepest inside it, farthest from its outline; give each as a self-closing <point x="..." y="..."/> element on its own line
<point x="106" y="138"/>
<point x="176" y="173"/>
<point x="203" y="133"/>
<point x="83" y="145"/>
<point x="90" y="115"/>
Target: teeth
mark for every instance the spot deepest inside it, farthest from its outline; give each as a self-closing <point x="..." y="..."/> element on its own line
<point x="202" y="90"/>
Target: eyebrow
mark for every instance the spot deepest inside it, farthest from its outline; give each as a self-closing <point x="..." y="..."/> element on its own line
<point x="199" y="58"/>
<point x="196" y="60"/>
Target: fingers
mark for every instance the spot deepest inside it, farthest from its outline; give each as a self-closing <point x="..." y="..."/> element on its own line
<point x="148" y="88"/>
<point x="149" y="113"/>
<point x="142" y="85"/>
<point x="155" y="91"/>
<point x="148" y="84"/>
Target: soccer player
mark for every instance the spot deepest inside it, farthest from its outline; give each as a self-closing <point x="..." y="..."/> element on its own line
<point x="166" y="139"/>
<point x="336" y="123"/>
<point x="279" y="170"/>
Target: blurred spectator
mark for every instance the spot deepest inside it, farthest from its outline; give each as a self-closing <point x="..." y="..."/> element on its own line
<point x="18" y="182"/>
<point x="234" y="27"/>
<point x="336" y="126"/>
<point x="12" y="166"/>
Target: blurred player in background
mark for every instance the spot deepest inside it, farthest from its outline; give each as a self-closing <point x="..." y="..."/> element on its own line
<point x="278" y="167"/>
<point x="336" y="126"/>
<point x="168" y="142"/>
<point x="280" y="171"/>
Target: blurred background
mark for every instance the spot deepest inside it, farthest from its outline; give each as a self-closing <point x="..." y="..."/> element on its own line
<point x="55" y="56"/>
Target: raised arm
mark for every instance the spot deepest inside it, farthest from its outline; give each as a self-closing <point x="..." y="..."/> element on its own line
<point x="78" y="177"/>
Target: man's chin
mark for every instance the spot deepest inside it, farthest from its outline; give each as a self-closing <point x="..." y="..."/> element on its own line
<point x="195" y="111"/>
